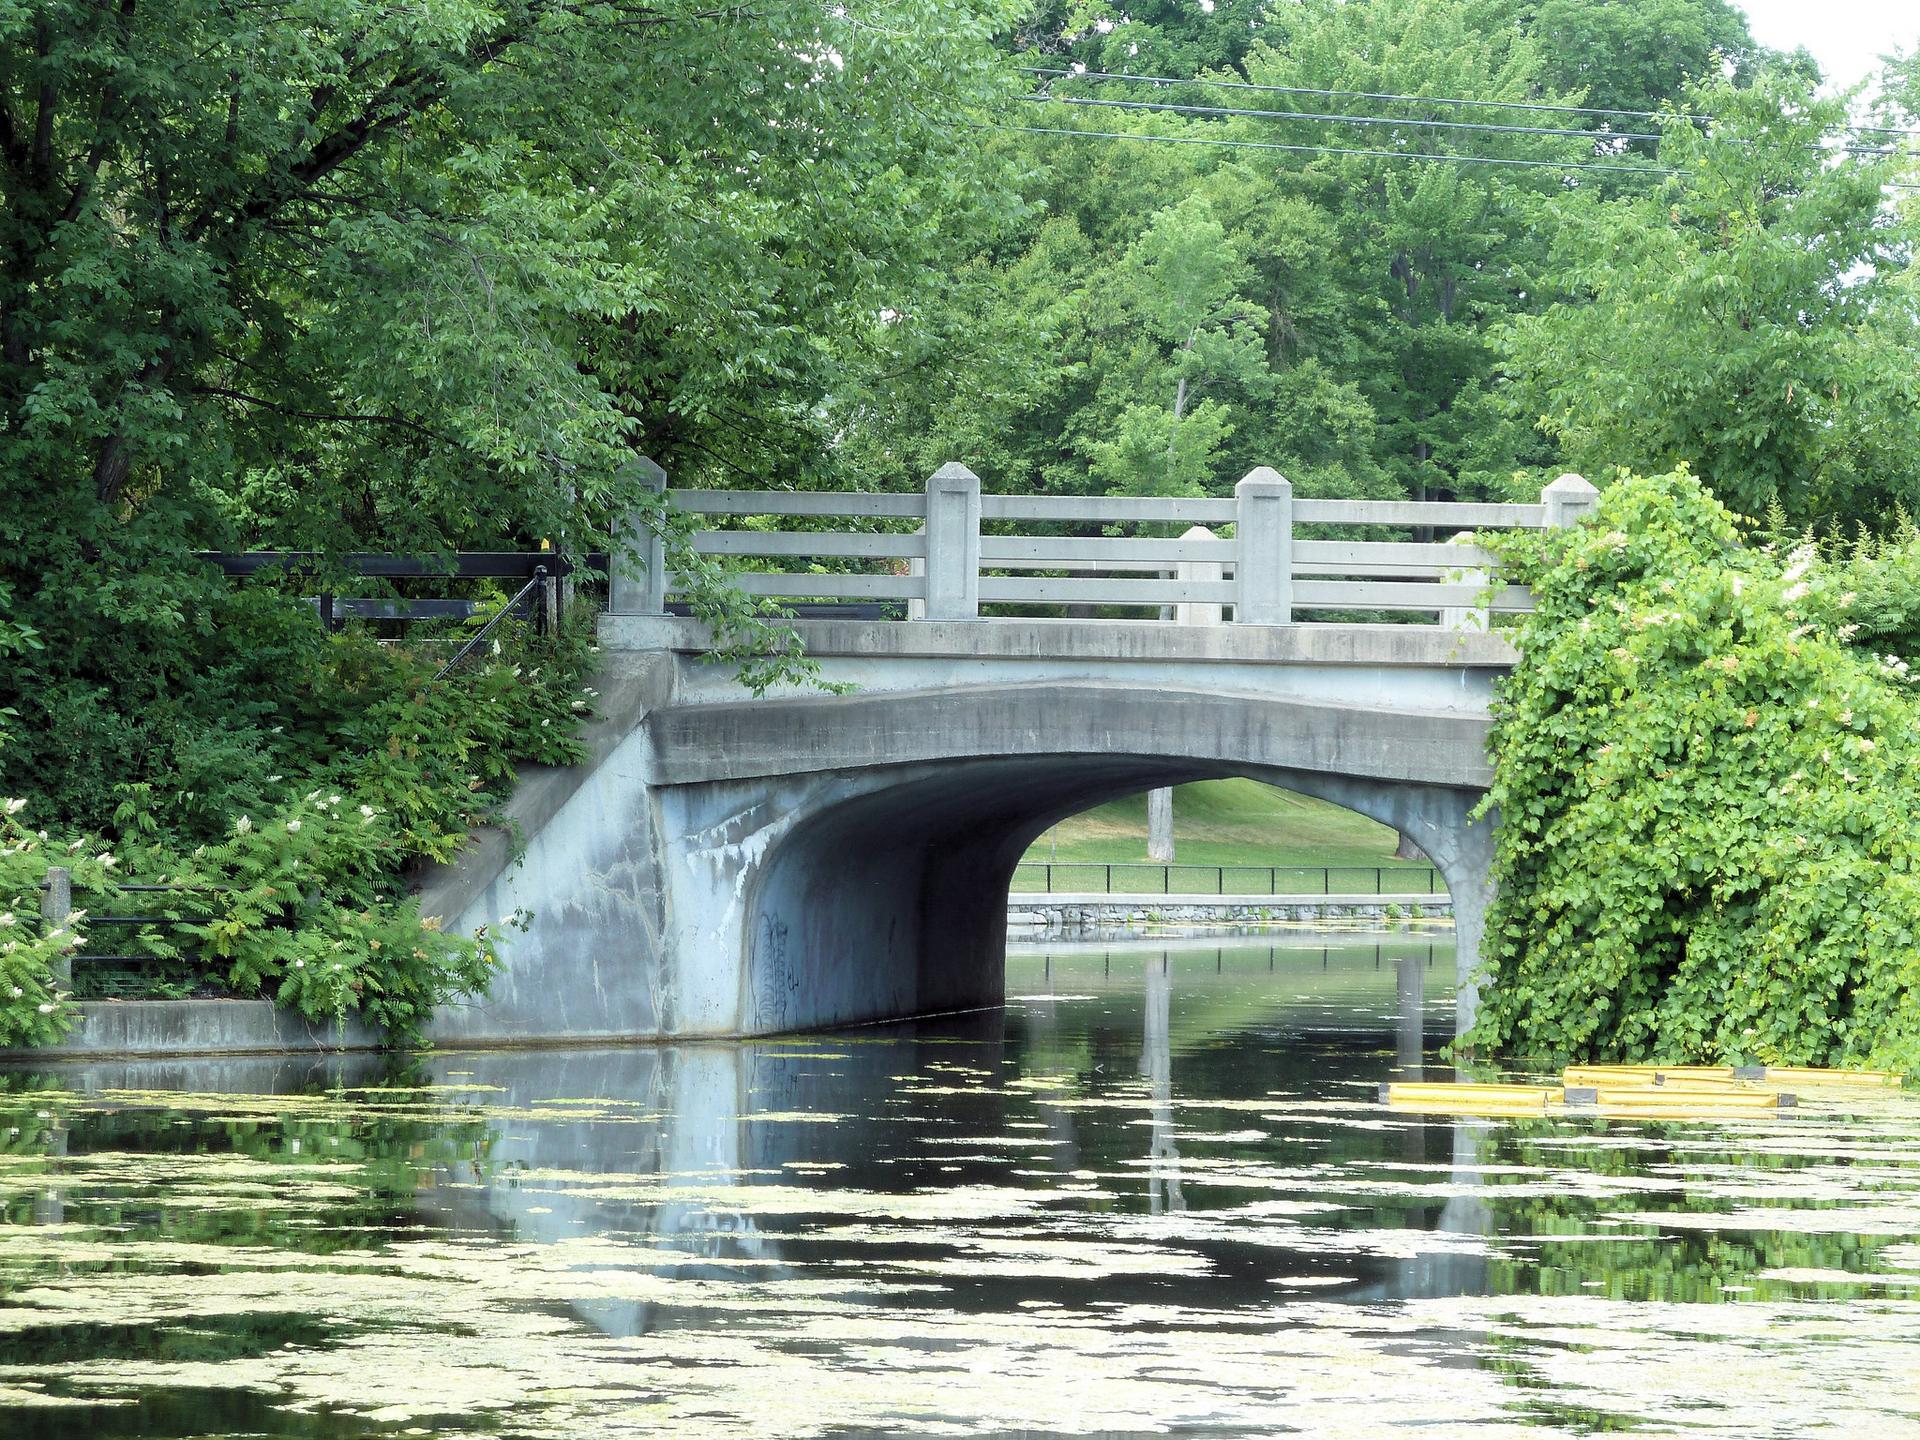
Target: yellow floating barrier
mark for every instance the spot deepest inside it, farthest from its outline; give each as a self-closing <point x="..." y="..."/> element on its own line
<point x="1723" y="1076"/>
<point x="1851" y="1079"/>
<point x="1728" y="1076"/>
<point x="1693" y="1099"/>
<point x="1467" y="1099"/>
<point x="1676" y="1101"/>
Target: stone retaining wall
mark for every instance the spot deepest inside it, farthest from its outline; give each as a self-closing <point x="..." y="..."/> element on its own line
<point x="1070" y="913"/>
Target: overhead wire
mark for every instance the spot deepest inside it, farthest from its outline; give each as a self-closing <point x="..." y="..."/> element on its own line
<point x="1226" y="111"/>
<point x="1333" y="150"/>
<point x="1435" y="156"/>
<point x="1392" y="98"/>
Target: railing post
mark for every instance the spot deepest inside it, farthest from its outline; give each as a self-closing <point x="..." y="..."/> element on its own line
<point x="1188" y="572"/>
<point x="56" y="909"/>
<point x="1569" y="500"/>
<point x="637" y="568"/>
<point x="1466" y="617"/>
<point x="1263" y="560"/>
<point x="917" y="570"/>
<point x="953" y="544"/>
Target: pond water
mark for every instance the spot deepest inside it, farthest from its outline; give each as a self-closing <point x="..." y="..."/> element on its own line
<point x="1156" y="1197"/>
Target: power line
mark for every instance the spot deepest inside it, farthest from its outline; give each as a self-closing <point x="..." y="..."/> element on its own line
<point x="1339" y="119"/>
<point x="1334" y="150"/>
<point x="1481" y="127"/>
<point x="1655" y="170"/>
<point x="1408" y="99"/>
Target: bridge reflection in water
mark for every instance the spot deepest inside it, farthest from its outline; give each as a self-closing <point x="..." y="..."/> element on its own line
<point x="1110" y="1070"/>
<point x="1154" y="1195"/>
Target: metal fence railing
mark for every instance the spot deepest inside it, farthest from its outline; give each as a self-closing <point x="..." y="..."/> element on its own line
<point x="57" y="908"/>
<point x="1081" y="877"/>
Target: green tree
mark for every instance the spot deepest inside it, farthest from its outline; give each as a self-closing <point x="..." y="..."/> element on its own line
<point x="1752" y="317"/>
<point x="1634" y="54"/>
<point x="1705" y="775"/>
<point x="327" y="274"/>
<point x="1344" y="322"/>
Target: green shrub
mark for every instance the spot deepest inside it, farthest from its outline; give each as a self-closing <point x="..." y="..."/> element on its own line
<point x="1706" y="793"/>
<point x="296" y="887"/>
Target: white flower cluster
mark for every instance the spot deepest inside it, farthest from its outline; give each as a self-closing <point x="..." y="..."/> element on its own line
<point x="1799" y="562"/>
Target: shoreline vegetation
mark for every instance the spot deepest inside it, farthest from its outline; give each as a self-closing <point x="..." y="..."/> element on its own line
<point x="302" y="896"/>
<point x="1706" y="774"/>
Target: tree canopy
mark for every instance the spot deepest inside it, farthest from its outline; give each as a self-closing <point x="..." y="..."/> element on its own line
<point x="334" y="276"/>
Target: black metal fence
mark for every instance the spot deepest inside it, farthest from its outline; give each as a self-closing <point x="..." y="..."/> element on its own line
<point x="544" y="577"/>
<point x="107" y="971"/>
<point x="1032" y="877"/>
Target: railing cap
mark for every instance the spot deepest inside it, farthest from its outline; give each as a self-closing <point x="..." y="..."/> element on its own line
<point x="1263" y="481"/>
<point x="1571" y="486"/>
<point x="648" y="471"/>
<point x="954" y="476"/>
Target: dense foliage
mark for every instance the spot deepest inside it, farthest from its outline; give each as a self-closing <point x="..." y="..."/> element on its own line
<point x="300" y="894"/>
<point x="1233" y="259"/>
<point x="334" y="276"/>
<point x="1706" y="777"/>
<point x="326" y="275"/>
<point x="1753" y="318"/>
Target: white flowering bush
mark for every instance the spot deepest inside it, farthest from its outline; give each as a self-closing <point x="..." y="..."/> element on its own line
<point x="304" y="906"/>
<point x="33" y="1010"/>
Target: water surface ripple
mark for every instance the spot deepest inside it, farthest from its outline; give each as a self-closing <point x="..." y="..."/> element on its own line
<point x="1156" y="1197"/>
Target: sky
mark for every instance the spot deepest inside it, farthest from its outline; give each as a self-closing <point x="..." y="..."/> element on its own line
<point x="1847" y="37"/>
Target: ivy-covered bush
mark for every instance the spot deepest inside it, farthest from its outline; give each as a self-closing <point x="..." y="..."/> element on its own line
<point x="291" y="885"/>
<point x="1707" y="777"/>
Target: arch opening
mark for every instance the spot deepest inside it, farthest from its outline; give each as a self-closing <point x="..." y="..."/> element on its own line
<point x="889" y="897"/>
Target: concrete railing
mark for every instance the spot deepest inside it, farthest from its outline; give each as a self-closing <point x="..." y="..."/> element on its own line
<point x="952" y="549"/>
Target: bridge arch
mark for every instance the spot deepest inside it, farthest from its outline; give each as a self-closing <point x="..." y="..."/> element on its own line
<point x="844" y="859"/>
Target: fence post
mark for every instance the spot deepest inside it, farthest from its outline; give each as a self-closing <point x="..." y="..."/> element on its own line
<point x="953" y="544"/>
<point x="1569" y="500"/>
<point x="56" y="909"/>
<point x="1263" y="561"/>
<point x="637" y="568"/>
<point x="1466" y="617"/>
<point x="917" y="570"/>
<point x="1198" y="612"/>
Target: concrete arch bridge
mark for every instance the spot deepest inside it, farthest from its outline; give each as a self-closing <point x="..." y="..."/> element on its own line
<point x="731" y="864"/>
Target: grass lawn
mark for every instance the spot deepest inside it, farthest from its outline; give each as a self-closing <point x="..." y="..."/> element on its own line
<point x="1224" y="822"/>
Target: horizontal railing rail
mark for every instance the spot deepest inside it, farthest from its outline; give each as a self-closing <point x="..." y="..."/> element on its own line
<point x="1133" y="877"/>
<point x="946" y="553"/>
<point x="460" y="565"/>
<point x="57" y="910"/>
<point x="544" y="571"/>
